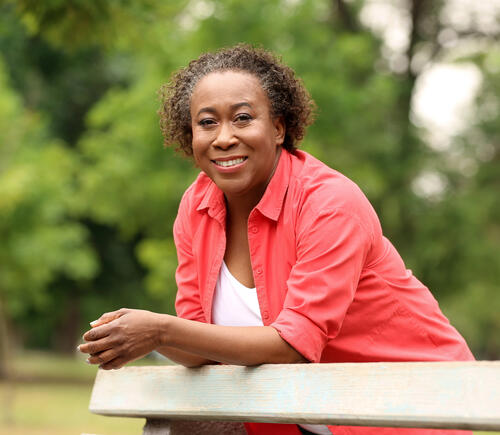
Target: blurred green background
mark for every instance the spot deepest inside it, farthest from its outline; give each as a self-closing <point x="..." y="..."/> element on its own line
<point x="88" y="194"/>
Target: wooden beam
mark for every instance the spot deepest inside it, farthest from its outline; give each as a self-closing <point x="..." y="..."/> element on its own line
<point x="448" y="395"/>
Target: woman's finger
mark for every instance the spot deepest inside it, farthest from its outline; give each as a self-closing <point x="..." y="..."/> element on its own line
<point x="94" y="347"/>
<point x="116" y="363"/>
<point x="97" y="333"/>
<point x="102" y="357"/>
<point x="108" y="317"/>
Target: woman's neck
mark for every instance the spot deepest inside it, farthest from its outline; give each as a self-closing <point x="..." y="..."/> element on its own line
<point x="241" y="207"/>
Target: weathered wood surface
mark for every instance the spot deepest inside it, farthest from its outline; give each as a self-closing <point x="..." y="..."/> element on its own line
<point x="461" y="395"/>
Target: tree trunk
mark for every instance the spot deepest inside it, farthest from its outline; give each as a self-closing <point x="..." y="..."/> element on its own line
<point x="69" y="326"/>
<point x="410" y="150"/>
<point x="4" y="342"/>
<point x="345" y="16"/>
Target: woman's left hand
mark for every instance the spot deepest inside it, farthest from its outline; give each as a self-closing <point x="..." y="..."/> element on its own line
<point x="121" y="336"/>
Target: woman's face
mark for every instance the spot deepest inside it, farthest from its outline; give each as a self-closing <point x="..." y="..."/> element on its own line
<point x="236" y="141"/>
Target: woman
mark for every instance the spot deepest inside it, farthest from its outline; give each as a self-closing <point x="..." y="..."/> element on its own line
<point x="281" y="259"/>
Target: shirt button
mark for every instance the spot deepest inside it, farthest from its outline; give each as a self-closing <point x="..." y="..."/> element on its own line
<point x="259" y="271"/>
<point x="254" y="230"/>
<point x="266" y="315"/>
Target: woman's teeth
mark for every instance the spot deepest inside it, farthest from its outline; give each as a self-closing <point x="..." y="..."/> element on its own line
<point x="227" y="163"/>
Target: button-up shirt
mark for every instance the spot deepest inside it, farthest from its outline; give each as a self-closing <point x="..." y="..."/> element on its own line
<point x="327" y="279"/>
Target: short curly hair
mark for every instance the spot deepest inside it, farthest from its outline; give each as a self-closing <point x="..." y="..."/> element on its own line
<point x="287" y="95"/>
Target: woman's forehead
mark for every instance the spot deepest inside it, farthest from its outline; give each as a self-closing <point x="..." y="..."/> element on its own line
<point x="228" y="87"/>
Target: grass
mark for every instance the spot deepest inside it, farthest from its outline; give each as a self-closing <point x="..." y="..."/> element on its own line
<point x="42" y="408"/>
<point x="50" y="394"/>
<point x="49" y="366"/>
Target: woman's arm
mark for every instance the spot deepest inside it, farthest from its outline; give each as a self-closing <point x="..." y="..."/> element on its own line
<point x="126" y="335"/>
<point x="241" y="345"/>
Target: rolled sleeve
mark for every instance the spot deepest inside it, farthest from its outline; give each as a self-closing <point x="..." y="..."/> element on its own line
<point x="331" y="250"/>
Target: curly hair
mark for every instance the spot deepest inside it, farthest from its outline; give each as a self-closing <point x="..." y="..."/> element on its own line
<point x="287" y="95"/>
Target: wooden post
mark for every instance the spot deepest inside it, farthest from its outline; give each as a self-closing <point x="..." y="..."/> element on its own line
<point x="173" y="427"/>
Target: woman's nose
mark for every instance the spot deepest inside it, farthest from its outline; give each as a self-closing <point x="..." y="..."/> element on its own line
<point x="225" y="136"/>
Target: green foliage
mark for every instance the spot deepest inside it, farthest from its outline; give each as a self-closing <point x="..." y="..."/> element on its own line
<point x="478" y="217"/>
<point x="130" y="181"/>
<point x="72" y="24"/>
<point x="159" y="256"/>
<point x="40" y="238"/>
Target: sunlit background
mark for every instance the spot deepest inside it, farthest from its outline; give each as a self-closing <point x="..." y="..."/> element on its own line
<point x="408" y="107"/>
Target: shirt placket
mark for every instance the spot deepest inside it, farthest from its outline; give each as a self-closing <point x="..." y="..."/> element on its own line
<point x="258" y="266"/>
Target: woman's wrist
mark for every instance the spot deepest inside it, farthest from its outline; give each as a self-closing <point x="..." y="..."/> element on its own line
<point x="163" y="329"/>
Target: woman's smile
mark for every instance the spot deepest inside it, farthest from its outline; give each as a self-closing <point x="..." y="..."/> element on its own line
<point x="229" y="163"/>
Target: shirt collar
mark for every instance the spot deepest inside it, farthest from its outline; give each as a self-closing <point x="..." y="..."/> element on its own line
<point x="271" y="202"/>
<point x="213" y="200"/>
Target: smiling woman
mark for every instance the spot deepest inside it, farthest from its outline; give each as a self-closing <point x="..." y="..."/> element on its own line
<point x="281" y="258"/>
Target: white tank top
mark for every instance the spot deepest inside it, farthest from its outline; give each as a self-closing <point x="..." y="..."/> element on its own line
<point x="237" y="305"/>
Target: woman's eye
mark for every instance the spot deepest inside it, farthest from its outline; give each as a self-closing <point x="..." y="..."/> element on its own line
<point x="243" y="117"/>
<point x="206" y="122"/>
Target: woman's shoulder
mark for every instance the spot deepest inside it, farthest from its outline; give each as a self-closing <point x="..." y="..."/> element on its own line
<point x="325" y="188"/>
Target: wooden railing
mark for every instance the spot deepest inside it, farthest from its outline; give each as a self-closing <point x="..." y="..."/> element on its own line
<point x="216" y="399"/>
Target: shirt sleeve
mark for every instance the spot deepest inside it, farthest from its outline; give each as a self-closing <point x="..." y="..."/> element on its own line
<point x="187" y="302"/>
<point x="332" y="246"/>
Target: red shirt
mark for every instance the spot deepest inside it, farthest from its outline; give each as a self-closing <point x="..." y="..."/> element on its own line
<point x="327" y="279"/>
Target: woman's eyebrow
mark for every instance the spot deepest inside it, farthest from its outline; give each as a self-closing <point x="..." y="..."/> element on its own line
<point x="206" y="109"/>
<point x="238" y="105"/>
<point x="233" y="107"/>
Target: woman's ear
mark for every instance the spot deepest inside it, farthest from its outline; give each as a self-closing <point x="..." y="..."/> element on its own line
<point x="279" y="125"/>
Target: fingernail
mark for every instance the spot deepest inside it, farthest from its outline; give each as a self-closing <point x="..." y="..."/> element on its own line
<point x="93" y="323"/>
<point x="78" y="348"/>
<point x="87" y="361"/>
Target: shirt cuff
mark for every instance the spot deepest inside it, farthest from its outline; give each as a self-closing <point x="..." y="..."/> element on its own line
<point x="301" y="333"/>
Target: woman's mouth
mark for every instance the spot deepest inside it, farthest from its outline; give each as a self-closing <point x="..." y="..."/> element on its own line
<point x="230" y="163"/>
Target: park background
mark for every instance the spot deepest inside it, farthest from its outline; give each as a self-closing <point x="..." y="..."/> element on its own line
<point x="408" y="107"/>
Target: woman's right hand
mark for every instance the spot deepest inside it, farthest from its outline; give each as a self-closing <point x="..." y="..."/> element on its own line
<point x="122" y="336"/>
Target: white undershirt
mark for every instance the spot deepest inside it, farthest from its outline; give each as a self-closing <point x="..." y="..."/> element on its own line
<point x="234" y="304"/>
<point x="237" y="305"/>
